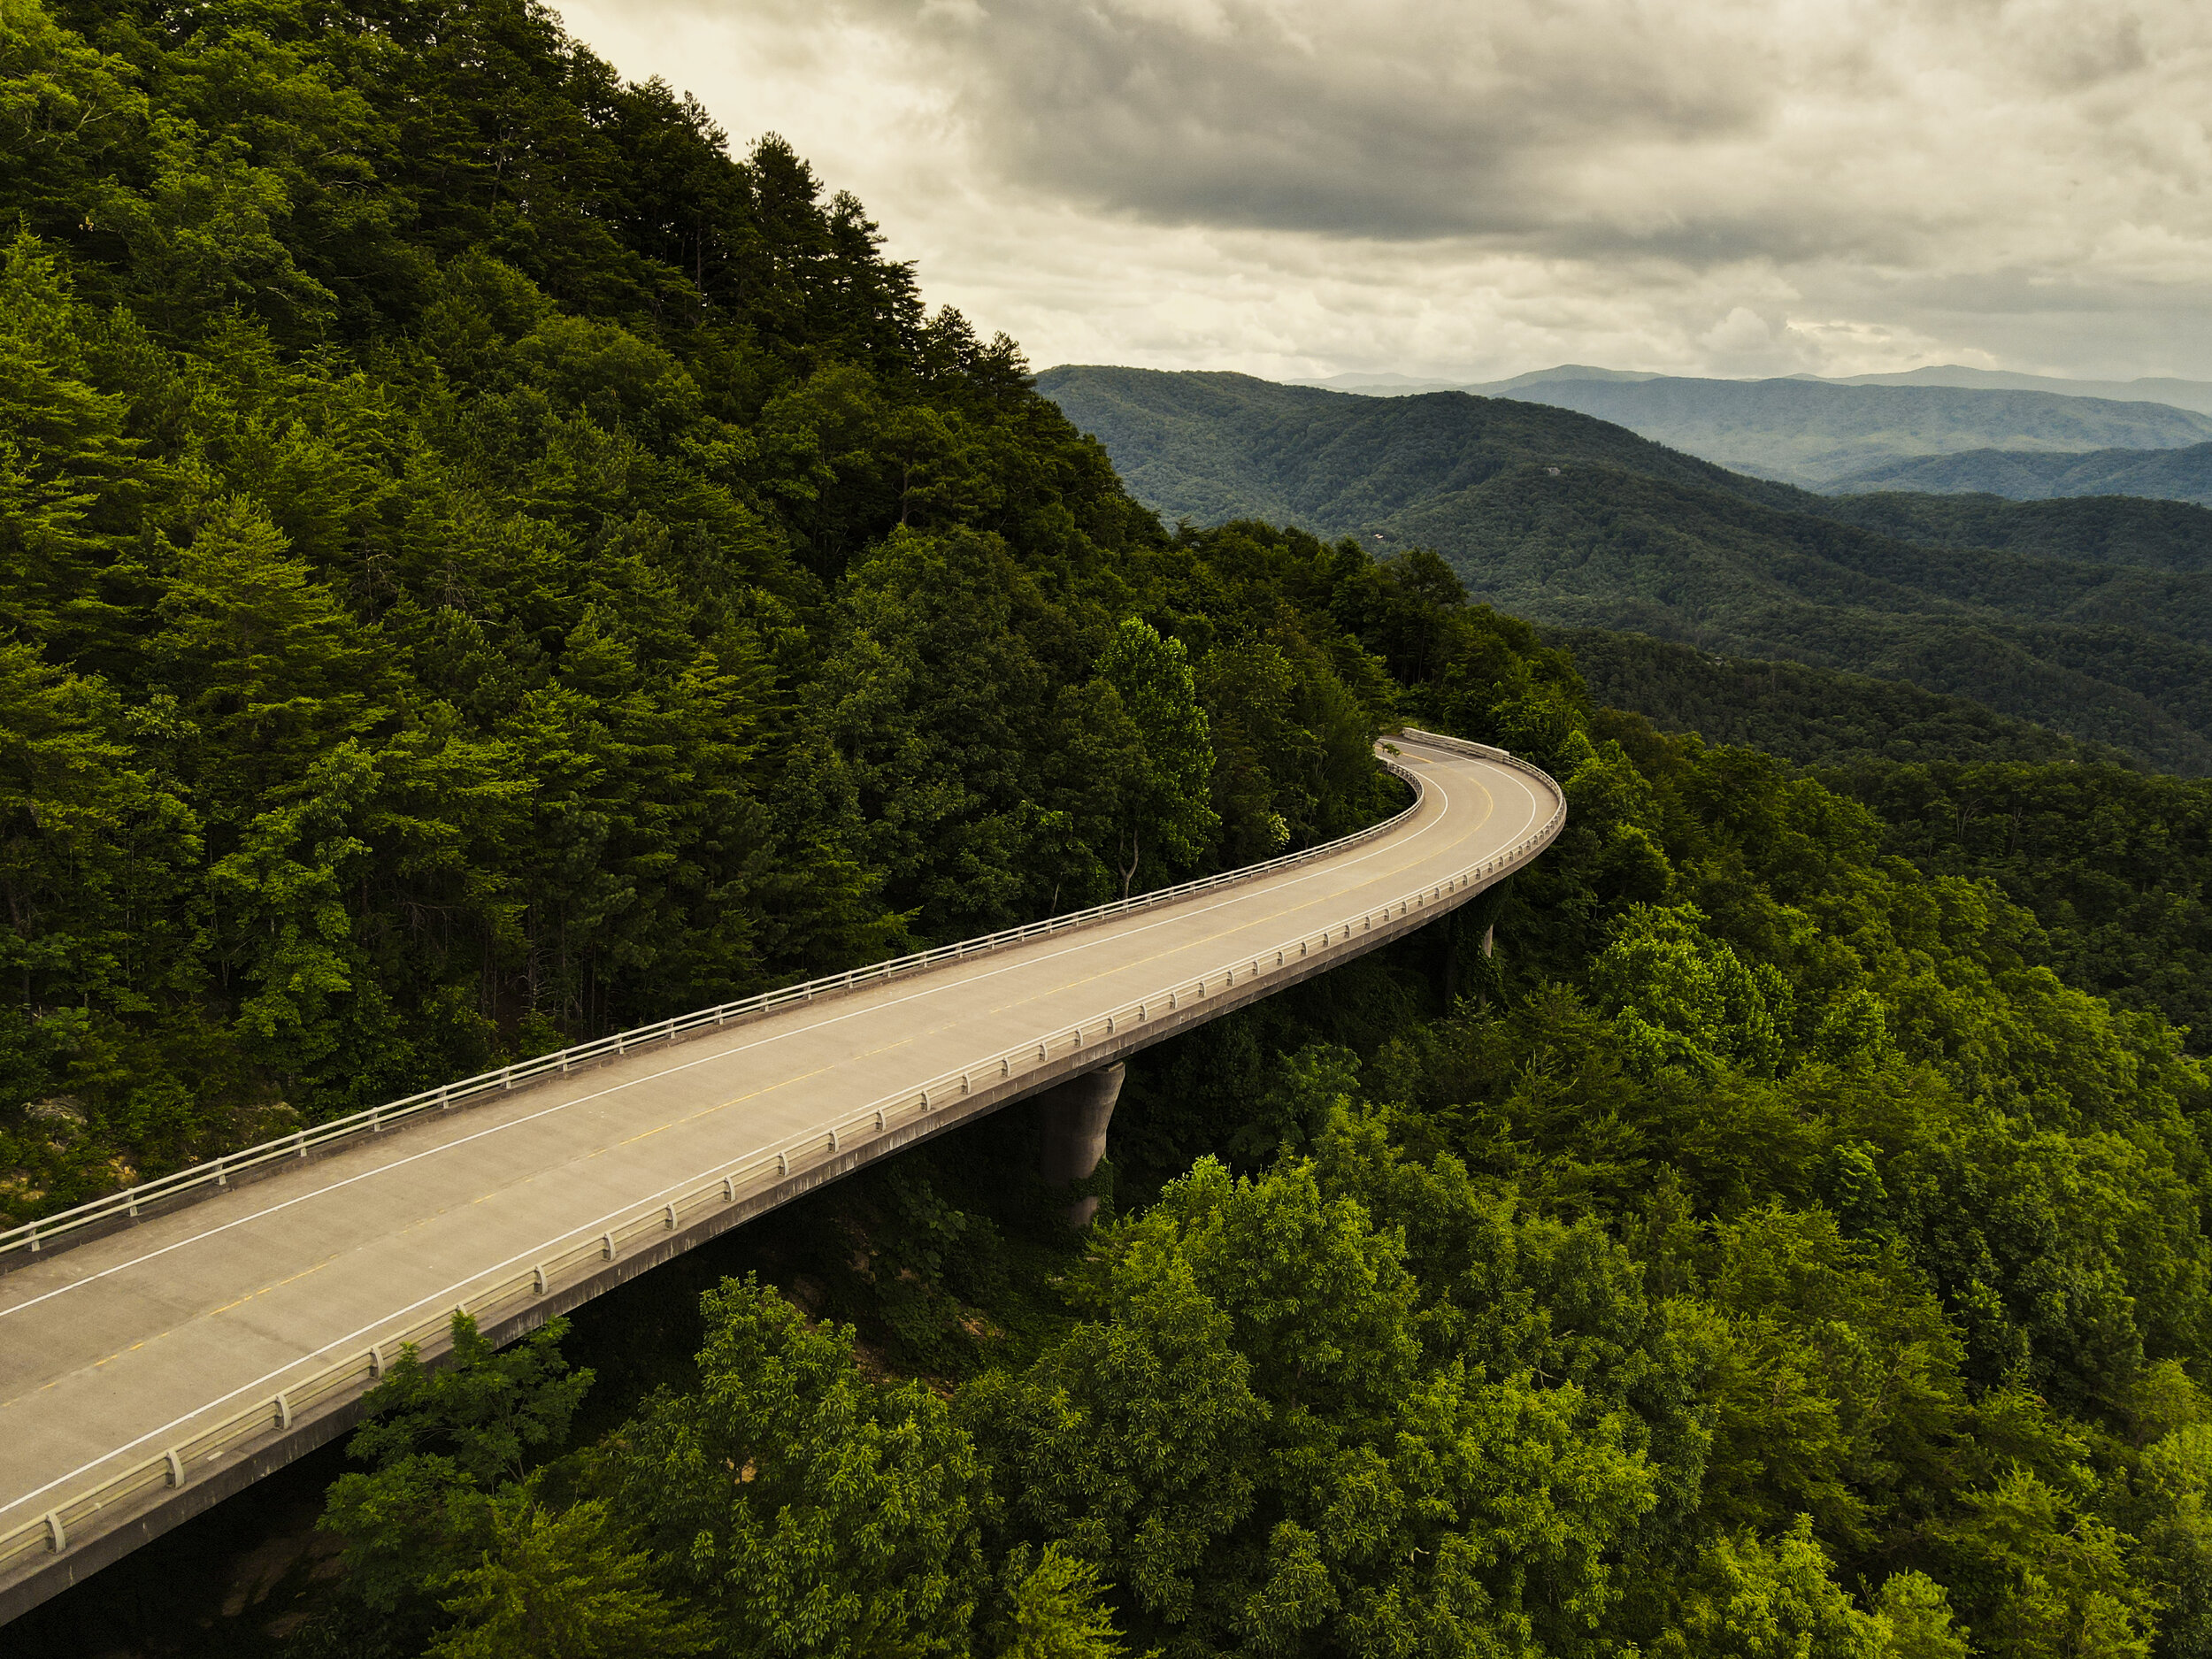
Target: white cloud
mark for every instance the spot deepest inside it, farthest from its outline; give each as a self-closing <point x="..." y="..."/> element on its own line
<point x="1299" y="186"/>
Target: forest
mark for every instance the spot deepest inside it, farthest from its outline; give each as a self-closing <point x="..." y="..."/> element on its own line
<point x="2182" y="474"/>
<point x="486" y="565"/>
<point x="1814" y="716"/>
<point x="2089" y="617"/>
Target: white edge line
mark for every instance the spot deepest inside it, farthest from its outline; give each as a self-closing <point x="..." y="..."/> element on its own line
<point x="585" y="1227"/>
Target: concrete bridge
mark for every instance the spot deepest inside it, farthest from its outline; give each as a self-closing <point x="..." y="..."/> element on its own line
<point x="165" y="1346"/>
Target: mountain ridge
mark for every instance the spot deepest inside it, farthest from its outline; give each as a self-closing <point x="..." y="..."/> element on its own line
<point x="1574" y="522"/>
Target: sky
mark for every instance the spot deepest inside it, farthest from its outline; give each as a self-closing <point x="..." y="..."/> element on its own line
<point x="1300" y="188"/>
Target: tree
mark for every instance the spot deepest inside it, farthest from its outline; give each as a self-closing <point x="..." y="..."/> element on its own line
<point x="810" y="1511"/>
<point x="441" y="1445"/>
<point x="560" y="1584"/>
<point x="273" y="668"/>
<point x="1165" y="785"/>
<point x="1054" y="1610"/>
<point x="1752" y="1598"/>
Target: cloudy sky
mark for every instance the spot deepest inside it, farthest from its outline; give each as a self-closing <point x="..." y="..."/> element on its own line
<point x="1299" y="188"/>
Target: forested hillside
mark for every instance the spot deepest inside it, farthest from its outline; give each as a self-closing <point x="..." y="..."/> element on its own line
<point x="1814" y="716"/>
<point x="2183" y="473"/>
<point x="1818" y="433"/>
<point x="527" y="573"/>
<point x="1574" y="523"/>
<point x="2104" y="529"/>
<point x="1213" y="447"/>
<point x="2115" y="864"/>
<point x="1935" y="429"/>
<point x="484" y="565"/>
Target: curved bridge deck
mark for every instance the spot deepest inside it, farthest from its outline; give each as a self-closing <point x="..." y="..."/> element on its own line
<point x="149" y="1371"/>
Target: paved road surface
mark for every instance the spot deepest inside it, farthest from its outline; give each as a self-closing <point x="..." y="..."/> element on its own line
<point x="116" y="1350"/>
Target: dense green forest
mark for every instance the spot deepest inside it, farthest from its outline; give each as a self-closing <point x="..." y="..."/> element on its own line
<point x="2182" y="473"/>
<point x="1573" y="523"/>
<point x="529" y="572"/>
<point x="525" y="569"/>
<point x="2105" y="529"/>
<point x="2115" y="864"/>
<point x="1815" y="716"/>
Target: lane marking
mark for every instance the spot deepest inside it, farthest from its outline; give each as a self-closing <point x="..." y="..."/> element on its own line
<point x="586" y="1156"/>
<point x="1176" y="915"/>
<point x="629" y="1205"/>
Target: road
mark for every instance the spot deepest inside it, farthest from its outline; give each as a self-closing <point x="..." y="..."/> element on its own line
<point x="240" y="1331"/>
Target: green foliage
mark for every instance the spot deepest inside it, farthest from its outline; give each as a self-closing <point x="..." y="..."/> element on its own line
<point x="808" y="1510"/>
<point x="1815" y="716"/>
<point x="1160" y="782"/>
<point x="1748" y="1599"/>
<point x="2116" y="529"/>
<point x="1247" y="1432"/>
<point x="482" y="1412"/>
<point x="2179" y="472"/>
<point x="2116" y="865"/>
<point x="1054" y="1610"/>
<point x="560" y="1586"/>
<point x="441" y="1444"/>
<point x="1575" y="524"/>
<point x="485" y="565"/>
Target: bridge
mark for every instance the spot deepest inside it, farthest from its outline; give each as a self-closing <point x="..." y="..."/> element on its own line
<point x="165" y="1346"/>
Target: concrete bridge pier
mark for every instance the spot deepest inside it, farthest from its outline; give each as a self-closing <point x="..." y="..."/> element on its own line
<point x="1073" y="1116"/>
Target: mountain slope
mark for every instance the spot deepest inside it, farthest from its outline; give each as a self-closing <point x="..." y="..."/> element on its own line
<point x="1813" y="434"/>
<point x="1814" y="716"/>
<point x="2149" y="388"/>
<point x="2169" y="536"/>
<point x="1826" y="434"/>
<point x="1593" y="547"/>
<point x="1213" y="447"/>
<point x="1572" y="522"/>
<point x="2182" y="474"/>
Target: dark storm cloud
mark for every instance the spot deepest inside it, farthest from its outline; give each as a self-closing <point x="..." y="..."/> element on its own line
<point x="1399" y="122"/>
<point x="1295" y="187"/>
<point x="1707" y="132"/>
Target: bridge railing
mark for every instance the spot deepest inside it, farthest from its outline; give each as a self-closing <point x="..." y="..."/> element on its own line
<point x="215" y="1175"/>
<point x="523" y="1279"/>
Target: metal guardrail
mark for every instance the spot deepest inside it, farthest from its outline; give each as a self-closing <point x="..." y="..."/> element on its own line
<point x="666" y="1211"/>
<point x="214" y="1175"/>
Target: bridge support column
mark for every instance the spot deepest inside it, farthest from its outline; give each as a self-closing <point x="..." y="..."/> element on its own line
<point x="1490" y="940"/>
<point x="1073" y="1116"/>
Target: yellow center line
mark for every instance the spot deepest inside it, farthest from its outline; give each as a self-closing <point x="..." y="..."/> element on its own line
<point x="589" y="1155"/>
<point x="1225" y="929"/>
